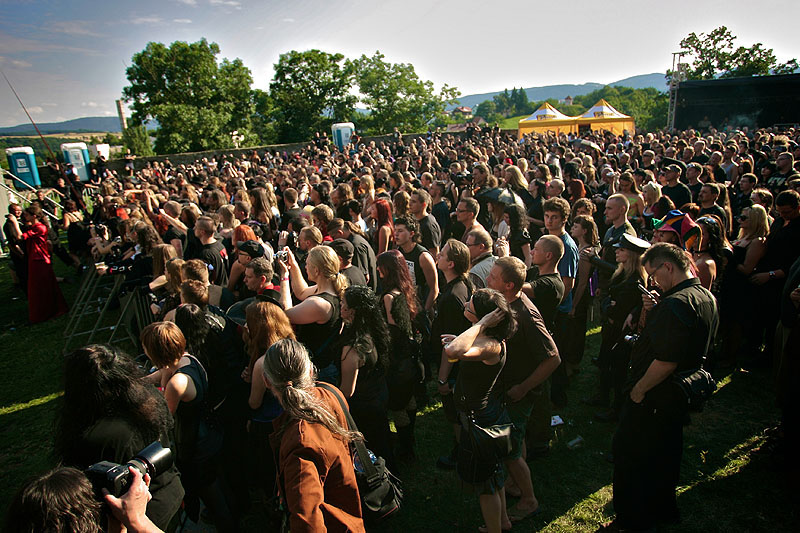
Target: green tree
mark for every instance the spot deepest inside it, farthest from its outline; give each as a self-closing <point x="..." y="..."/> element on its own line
<point x="714" y="55"/>
<point x="486" y="109"/>
<point x="310" y="90"/>
<point x="396" y="97"/>
<point x="502" y="102"/>
<point x="137" y="140"/>
<point x="197" y="101"/>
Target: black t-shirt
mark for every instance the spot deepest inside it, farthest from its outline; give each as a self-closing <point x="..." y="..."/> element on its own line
<point x="716" y="211"/>
<point x="695" y="190"/>
<point x="450" y="313"/>
<point x="288" y="216"/>
<point x="783" y="247"/>
<point x="354" y="275"/>
<point x="430" y="232"/>
<point x="171" y="234"/>
<point x="216" y="257"/>
<point x="680" y="329"/>
<point x="548" y="291"/>
<point x="678" y="193"/>
<point x="779" y="182"/>
<point x="364" y="258"/>
<point x="530" y="345"/>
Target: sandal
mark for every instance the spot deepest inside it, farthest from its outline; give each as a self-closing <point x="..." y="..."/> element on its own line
<point x="515" y="516"/>
<point x="484" y="529"/>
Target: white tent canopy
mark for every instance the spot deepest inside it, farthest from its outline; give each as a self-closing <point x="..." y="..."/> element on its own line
<point x="603" y="109"/>
<point x="547" y="112"/>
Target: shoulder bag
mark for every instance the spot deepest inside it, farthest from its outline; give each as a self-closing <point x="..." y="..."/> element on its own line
<point x="381" y="492"/>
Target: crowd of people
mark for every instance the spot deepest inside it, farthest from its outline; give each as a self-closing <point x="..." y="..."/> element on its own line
<point x="464" y="266"/>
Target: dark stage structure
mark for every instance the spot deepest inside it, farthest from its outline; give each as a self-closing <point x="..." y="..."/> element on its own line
<point x="760" y="101"/>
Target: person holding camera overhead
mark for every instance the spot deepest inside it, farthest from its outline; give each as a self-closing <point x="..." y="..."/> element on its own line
<point x="109" y="414"/>
<point x="317" y="314"/>
<point x="184" y="381"/>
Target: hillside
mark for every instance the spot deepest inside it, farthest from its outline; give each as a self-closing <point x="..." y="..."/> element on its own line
<point x="77" y="125"/>
<point x="559" y="92"/>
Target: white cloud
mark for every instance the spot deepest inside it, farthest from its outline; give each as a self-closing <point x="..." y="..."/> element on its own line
<point x="90" y="104"/>
<point x="226" y="3"/>
<point x="192" y="3"/>
<point x="289" y="20"/>
<point x="73" y="27"/>
<point x="146" y="20"/>
<point x="49" y="104"/>
<point x="182" y="21"/>
<point x="14" y="62"/>
<point x="108" y="113"/>
<point x="35" y="110"/>
<point x="21" y="44"/>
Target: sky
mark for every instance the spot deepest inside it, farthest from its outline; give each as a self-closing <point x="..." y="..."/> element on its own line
<point x="67" y="59"/>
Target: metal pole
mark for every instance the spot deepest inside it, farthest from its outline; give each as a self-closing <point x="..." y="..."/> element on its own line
<point x="15" y="193"/>
<point x="34" y="189"/>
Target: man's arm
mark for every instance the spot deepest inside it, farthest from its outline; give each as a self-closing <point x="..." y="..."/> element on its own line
<point x="657" y="372"/>
<point x="537" y="377"/>
<point x="568" y="282"/>
<point x="429" y="270"/>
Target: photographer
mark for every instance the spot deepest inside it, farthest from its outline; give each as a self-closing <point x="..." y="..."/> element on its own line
<point x="109" y="414"/>
<point x="63" y="500"/>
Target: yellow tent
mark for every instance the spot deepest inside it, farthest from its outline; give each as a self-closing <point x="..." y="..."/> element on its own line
<point x="547" y="119"/>
<point x="603" y="117"/>
<point x="600" y="117"/>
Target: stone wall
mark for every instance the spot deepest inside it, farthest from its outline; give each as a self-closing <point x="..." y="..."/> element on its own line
<point x="190" y="157"/>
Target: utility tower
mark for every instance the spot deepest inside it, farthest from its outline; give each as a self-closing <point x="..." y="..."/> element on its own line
<point x="678" y="75"/>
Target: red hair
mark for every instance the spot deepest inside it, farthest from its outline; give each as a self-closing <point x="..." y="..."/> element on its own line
<point x="383" y="209"/>
<point x="243" y="233"/>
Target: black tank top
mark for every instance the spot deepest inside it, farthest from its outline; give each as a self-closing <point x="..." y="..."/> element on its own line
<point x="475" y="382"/>
<point x="194" y="440"/>
<point x="317" y="337"/>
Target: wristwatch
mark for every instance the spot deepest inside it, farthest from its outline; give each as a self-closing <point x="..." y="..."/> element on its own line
<point x="440" y="382"/>
<point x="771" y="274"/>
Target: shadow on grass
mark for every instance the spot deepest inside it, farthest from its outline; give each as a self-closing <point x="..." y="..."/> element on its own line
<point x="26" y="441"/>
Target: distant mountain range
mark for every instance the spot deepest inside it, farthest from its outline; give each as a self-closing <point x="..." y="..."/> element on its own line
<point x="537" y="94"/>
<point x="77" y="125"/>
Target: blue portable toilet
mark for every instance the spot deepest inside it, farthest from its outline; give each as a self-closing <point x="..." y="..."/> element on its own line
<point x="22" y="163"/>
<point x="77" y="154"/>
<point x="342" y="131"/>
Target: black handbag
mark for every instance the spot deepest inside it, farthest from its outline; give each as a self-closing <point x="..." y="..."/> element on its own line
<point x="482" y="448"/>
<point x="381" y="492"/>
<point x="697" y="385"/>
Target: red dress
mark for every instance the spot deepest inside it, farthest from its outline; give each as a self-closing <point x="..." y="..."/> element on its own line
<point x="45" y="300"/>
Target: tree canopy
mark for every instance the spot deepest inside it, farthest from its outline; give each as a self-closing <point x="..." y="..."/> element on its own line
<point x="395" y="96"/>
<point x="714" y="55"/>
<point x="196" y="101"/>
<point x="310" y="90"/>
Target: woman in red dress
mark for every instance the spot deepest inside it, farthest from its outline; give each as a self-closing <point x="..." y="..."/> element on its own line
<point x="45" y="300"/>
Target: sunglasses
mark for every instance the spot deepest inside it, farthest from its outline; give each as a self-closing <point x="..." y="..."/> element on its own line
<point x="742" y="218"/>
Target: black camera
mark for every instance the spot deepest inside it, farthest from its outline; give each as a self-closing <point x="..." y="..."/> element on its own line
<point x="153" y="460"/>
<point x="630" y="340"/>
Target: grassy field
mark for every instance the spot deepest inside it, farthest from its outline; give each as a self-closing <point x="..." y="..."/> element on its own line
<point x="726" y="487"/>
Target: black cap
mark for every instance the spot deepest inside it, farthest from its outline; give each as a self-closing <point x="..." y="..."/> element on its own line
<point x="634" y="244"/>
<point x="343" y="248"/>
<point x="251" y="248"/>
